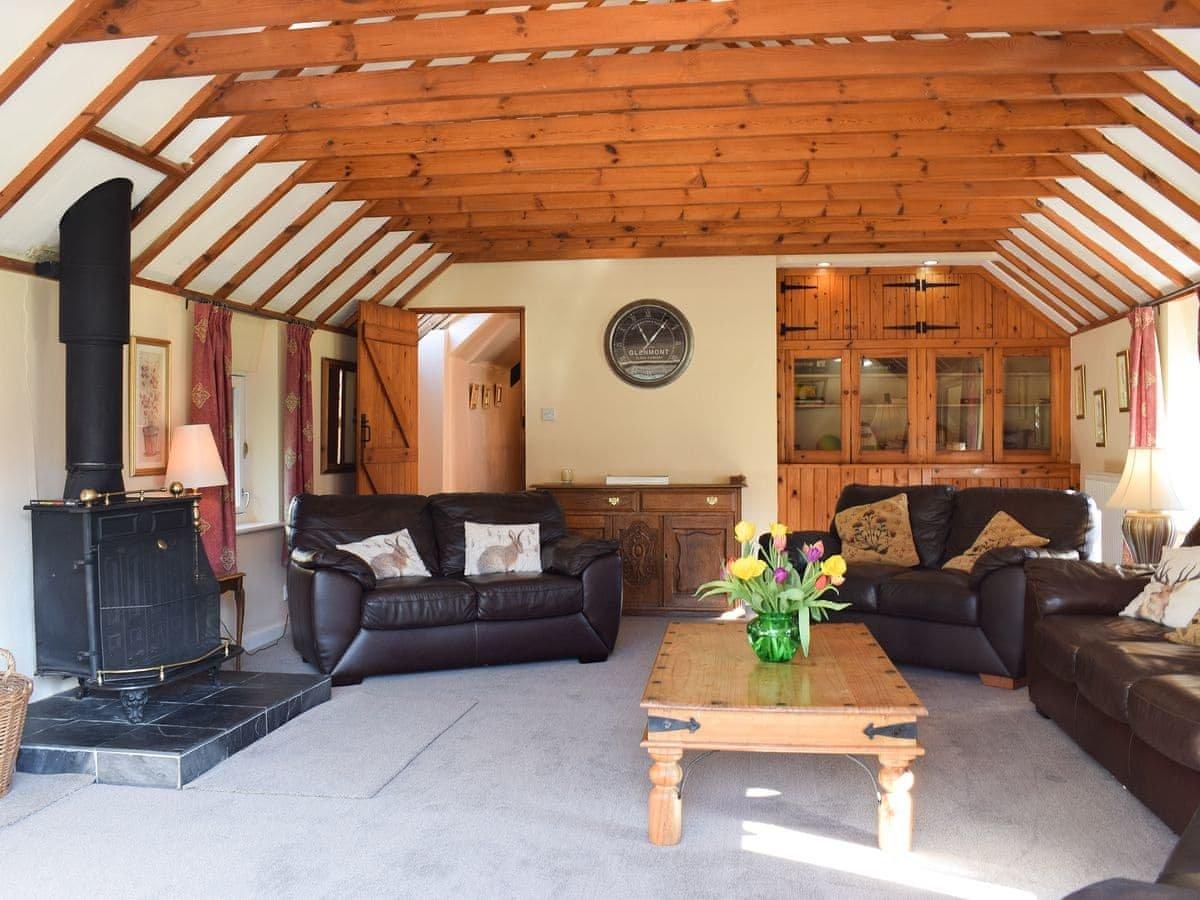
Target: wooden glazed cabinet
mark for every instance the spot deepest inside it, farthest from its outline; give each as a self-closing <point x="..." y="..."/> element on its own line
<point x="925" y="376"/>
<point x="673" y="538"/>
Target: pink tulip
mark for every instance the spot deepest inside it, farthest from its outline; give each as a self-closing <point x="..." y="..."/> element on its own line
<point x="821" y="583"/>
<point x="839" y="581"/>
<point x="780" y="542"/>
<point x="781" y="575"/>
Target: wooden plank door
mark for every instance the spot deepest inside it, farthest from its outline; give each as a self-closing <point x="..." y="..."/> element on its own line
<point x="387" y="400"/>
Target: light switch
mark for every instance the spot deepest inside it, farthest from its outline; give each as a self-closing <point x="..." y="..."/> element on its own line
<point x="548" y="413"/>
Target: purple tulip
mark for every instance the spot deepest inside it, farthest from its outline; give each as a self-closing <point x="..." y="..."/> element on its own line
<point x="814" y="552"/>
<point x="781" y="575"/>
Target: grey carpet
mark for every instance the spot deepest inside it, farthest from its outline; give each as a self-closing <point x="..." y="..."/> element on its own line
<point x="30" y="795"/>
<point x="540" y="791"/>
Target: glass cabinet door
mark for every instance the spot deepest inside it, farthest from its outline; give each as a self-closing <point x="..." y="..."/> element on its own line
<point x="814" y="395"/>
<point x="960" y="394"/>
<point x="884" y="394"/>
<point x="1024" y="411"/>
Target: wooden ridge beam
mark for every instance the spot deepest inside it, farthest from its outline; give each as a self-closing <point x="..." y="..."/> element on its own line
<point x="942" y="245"/>
<point x="95" y="110"/>
<point x="826" y="241"/>
<point x="221" y="244"/>
<point x="277" y="243"/>
<point x="751" y="94"/>
<point x="776" y="229"/>
<point x="599" y="27"/>
<point x="715" y="212"/>
<point x="746" y="175"/>
<point x="218" y="189"/>
<point x="1018" y="55"/>
<point x="367" y="277"/>
<point x="1025" y="189"/>
<point x="792" y="148"/>
<point x="429" y="279"/>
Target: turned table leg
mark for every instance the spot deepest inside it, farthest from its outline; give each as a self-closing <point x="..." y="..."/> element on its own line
<point x="665" y="807"/>
<point x="895" y="805"/>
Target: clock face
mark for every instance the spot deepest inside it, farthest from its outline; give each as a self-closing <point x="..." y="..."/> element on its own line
<point x="648" y="343"/>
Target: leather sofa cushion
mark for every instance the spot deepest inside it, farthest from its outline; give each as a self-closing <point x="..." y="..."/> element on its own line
<point x="1065" y="517"/>
<point x="452" y="511"/>
<point x="929" y="509"/>
<point x="932" y="595"/>
<point x="861" y="589"/>
<point x="1165" y="713"/>
<point x="416" y="602"/>
<point x="1105" y="672"/>
<point x="322" y="521"/>
<point x="1057" y="639"/>
<point x="520" y="595"/>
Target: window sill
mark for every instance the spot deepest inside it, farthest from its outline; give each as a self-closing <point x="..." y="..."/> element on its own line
<point x="252" y="527"/>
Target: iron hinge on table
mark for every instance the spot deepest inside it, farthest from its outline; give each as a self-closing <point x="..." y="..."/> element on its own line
<point x="658" y="724"/>
<point x="906" y="730"/>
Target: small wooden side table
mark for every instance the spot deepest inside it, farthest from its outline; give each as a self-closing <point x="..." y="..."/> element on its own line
<point x="235" y="581"/>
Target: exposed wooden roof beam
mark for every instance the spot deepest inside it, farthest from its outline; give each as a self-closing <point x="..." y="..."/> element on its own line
<point x="64" y="26"/>
<point x="1081" y="263"/>
<point x="692" y="248"/>
<point x="311" y="256"/>
<point x="366" y="278"/>
<point x="1021" y="55"/>
<point x="1140" y="170"/>
<point x="416" y="289"/>
<point x="338" y="268"/>
<point x="1167" y="52"/>
<point x="1164" y="98"/>
<point x="1100" y="250"/>
<point x="1101" y="290"/>
<point x="596" y="27"/>
<point x="1057" y="297"/>
<point x="117" y="144"/>
<point x="1184" y="151"/>
<point x="403" y="275"/>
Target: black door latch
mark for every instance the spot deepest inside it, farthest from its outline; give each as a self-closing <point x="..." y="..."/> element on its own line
<point x="899" y="730"/>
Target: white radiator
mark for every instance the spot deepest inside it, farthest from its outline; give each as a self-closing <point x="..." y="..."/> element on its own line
<point x="1100" y="486"/>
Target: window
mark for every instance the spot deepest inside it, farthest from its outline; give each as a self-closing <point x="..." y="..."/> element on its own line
<point x="241" y="448"/>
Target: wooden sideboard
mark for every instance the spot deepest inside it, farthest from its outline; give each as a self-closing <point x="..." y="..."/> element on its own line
<point x="673" y="538"/>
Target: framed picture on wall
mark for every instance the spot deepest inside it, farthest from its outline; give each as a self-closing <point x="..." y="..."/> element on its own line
<point x="1100" y="409"/>
<point x="1079" y="392"/>
<point x="487" y="396"/>
<point x="473" y="396"/>
<point x="498" y="393"/>
<point x="1123" y="381"/>
<point x="149" y="405"/>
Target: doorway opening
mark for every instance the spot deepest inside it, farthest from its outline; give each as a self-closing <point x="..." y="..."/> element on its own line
<point x="471" y="423"/>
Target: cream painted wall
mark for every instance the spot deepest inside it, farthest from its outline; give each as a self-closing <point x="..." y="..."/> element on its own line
<point x="717" y="420"/>
<point x="32" y="446"/>
<point x="1097" y="351"/>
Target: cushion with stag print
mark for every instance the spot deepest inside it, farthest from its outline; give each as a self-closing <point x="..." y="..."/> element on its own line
<point x="389" y="555"/>
<point x="1001" y="531"/>
<point x="878" y="532"/>
<point x="1172" y="598"/>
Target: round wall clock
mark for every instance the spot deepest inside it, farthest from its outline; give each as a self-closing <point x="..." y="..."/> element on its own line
<point x="648" y="343"/>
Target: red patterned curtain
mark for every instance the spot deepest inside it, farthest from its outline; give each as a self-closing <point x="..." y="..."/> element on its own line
<point x="212" y="404"/>
<point x="297" y="414"/>
<point x="1143" y="378"/>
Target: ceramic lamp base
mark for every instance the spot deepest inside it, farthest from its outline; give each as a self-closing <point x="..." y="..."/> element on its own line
<point x="1146" y="534"/>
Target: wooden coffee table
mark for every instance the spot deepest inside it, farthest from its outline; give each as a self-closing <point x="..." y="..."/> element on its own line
<point x="708" y="691"/>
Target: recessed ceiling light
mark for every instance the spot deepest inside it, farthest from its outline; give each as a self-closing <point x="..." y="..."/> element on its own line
<point x="930" y="262"/>
<point x="823" y="265"/>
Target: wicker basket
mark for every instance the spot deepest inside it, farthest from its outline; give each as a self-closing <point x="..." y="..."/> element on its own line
<point x="14" y="700"/>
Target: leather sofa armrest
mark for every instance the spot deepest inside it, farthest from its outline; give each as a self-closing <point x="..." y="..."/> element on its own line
<point x="339" y="561"/>
<point x="1078" y="587"/>
<point x="572" y="554"/>
<point x="1013" y="556"/>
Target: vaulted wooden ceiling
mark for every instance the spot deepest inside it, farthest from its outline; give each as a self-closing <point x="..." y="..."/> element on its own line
<point x="301" y="156"/>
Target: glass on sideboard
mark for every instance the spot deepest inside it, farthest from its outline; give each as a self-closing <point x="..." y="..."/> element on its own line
<point x="817" y="404"/>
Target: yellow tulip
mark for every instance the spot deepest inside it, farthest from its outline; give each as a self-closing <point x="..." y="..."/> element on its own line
<point x="778" y="529"/>
<point x="744" y="531"/>
<point x="747" y="568"/>
<point x="834" y="567"/>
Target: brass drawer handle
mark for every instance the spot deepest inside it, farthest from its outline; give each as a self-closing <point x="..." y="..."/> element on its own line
<point x="711" y="501"/>
<point x="614" y="501"/>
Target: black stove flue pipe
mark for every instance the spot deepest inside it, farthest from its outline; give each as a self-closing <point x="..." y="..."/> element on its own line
<point x="93" y="321"/>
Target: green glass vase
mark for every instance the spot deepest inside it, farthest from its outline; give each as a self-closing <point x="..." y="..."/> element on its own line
<point x="774" y="637"/>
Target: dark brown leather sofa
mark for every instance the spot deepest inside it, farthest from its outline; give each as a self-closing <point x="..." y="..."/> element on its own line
<point x="351" y="626"/>
<point x="942" y="618"/>
<point x="1180" y="877"/>
<point x="1126" y="695"/>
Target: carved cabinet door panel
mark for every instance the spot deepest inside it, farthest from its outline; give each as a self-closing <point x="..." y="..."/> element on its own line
<point x="696" y="546"/>
<point x="591" y="527"/>
<point x="641" y="558"/>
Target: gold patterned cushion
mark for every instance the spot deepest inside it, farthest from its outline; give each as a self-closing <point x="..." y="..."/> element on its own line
<point x="878" y="532"/>
<point x="1002" y="531"/>
<point x="1188" y="634"/>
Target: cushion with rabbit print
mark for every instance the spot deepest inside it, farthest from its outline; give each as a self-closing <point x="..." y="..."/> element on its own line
<point x="389" y="555"/>
<point x="502" y="548"/>
<point x="1172" y="598"/>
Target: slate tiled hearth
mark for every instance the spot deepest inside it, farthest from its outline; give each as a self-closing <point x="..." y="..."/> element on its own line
<point x="189" y="727"/>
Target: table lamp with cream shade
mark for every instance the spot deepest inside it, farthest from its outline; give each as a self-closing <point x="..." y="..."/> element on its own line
<point x="1145" y="492"/>
<point x="194" y="462"/>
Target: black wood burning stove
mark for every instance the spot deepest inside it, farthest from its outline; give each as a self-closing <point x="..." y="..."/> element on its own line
<point x="124" y="597"/>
